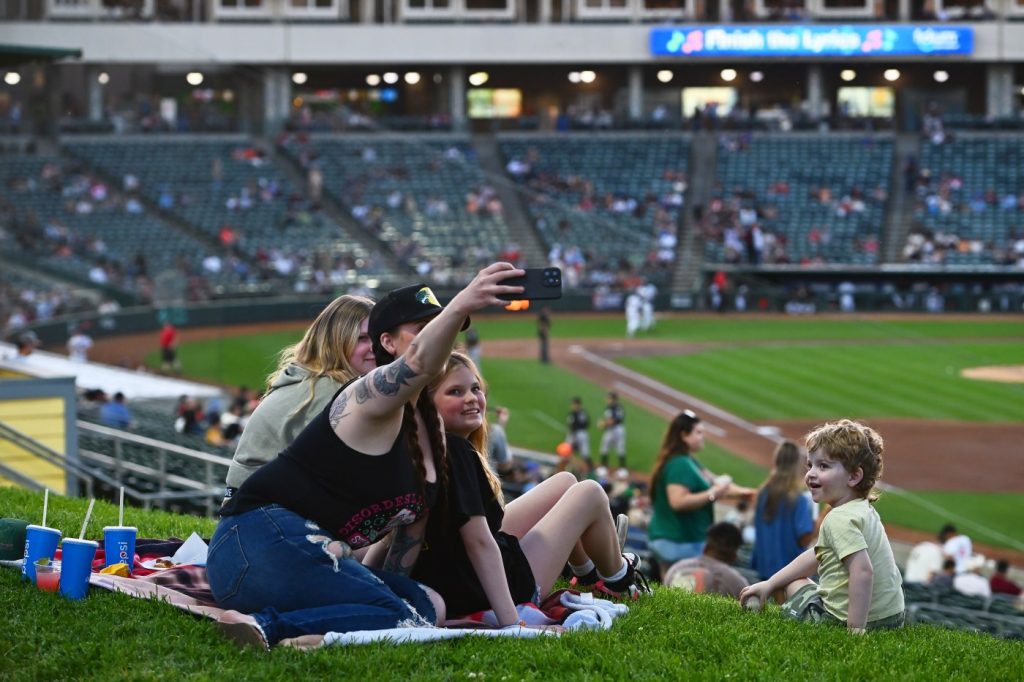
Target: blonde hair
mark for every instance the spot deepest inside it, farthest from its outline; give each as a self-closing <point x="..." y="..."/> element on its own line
<point x="325" y="348"/>
<point x="855" y="446"/>
<point x="786" y="481"/>
<point x="478" y="438"/>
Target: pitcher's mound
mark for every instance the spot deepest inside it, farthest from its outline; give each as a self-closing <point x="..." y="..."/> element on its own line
<point x="1010" y="374"/>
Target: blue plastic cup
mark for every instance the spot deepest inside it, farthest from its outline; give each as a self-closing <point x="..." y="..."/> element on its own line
<point x="119" y="545"/>
<point x="76" y="566"/>
<point x="40" y="542"/>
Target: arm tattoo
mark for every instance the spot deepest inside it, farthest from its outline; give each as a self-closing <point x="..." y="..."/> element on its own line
<point x="362" y="390"/>
<point x="401" y="558"/>
<point x="389" y="380"/>
<point x="338" y="409"/>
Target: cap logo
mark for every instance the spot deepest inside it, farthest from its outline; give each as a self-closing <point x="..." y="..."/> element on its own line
<point x="426" y="297"/>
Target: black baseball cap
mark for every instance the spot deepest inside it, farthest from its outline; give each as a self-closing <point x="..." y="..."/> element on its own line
<point x="401" y="306"/>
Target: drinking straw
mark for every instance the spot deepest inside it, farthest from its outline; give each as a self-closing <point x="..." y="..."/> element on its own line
<point x="88" y="513"/>
<point x="120" y="509"/>
<point x="46" y="501"/>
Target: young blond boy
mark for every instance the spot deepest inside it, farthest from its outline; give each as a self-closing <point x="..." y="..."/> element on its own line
<point x="859" y="582"/>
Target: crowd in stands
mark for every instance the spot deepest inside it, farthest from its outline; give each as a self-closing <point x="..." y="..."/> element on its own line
<point x="771" y="207"/>
<point x="27" y="301"/>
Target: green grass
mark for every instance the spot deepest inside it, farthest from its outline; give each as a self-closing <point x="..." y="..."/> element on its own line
<point x="670" y="635"/>
<point x="826" y="381"/>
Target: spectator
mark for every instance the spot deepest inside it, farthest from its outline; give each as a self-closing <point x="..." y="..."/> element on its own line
<point x="971" y="583"/>
<point x="115" y="413"/>
<point x="944" y="579"/>
<point x="1000" y="581"/>
<point x="784" y="516"/>
<point x="683" y="493"/>
<point x="27" y="343"/>
<point x="860" y="584"/>
<point x="956" y="546"/>
<point x="497" y="443"/>
<point x="711" y="571"/>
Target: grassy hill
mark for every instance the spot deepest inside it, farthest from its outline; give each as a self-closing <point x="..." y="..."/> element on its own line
<point x="670" y="635"/>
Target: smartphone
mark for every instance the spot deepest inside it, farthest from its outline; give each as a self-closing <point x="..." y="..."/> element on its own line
<point x="537" y="283"/>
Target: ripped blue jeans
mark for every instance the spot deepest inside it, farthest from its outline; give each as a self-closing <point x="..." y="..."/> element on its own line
<point x="272" y="563"/>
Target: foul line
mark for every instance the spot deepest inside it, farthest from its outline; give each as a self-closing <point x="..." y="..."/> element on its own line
<point x="547" y="419"/>
<point x="706" y="408"/>
<point x="960" y="520"/>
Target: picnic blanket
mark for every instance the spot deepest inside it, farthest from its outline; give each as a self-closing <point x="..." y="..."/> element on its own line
<point x="187" y="588"/>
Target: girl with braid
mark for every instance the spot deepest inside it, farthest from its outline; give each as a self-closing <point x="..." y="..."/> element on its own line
<point x="483" y="555"/>
<point x="367" y="466"/>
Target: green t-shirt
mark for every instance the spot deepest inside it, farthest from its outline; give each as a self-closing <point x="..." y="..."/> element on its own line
<point x="847" y="529"/>
<point x="689" y="526"/>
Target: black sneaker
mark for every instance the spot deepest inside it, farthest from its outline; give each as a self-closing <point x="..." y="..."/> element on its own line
<point x="630" y="586"/>
<point x="591" y="578"/>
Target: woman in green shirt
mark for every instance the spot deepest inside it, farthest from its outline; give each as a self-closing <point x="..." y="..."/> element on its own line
<point x="683" y="493"/>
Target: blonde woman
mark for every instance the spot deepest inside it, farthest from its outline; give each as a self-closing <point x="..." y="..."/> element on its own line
<point x="784" y="516"/>
<point x="334" y="350"/>
<point x="481" y="555"/>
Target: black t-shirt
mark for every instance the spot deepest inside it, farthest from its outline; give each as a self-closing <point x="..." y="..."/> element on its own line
<point x="443" y="563"/>
<point x="355" y="497"/>
<point x="578" y="420"/>
<point x="614" y="415"/>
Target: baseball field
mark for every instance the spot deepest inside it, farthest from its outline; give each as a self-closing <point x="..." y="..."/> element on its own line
<point x="955" y="443"/>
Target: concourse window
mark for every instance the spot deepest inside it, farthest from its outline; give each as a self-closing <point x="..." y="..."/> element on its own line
<point x="850" y="8"/>
<point x="316" y="9"/>
<point x="242" y="9"/>
<point x="668" y="8"/>
<point x="857" y="102"/>
<point x="782" y="10"/>
<point x="604" y="9"/>
<point x="714" y="101"/>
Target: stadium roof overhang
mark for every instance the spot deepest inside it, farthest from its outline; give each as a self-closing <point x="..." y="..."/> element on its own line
<point x="12" y="55"/>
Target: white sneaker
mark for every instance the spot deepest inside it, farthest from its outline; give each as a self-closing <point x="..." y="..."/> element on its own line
<point x="622" y="530"/>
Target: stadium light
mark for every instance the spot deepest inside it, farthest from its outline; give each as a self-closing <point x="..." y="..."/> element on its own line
<point x="373" y="80"/>
<point x="587" y="76"/>
<point x="390" y="77"/>
<point x="941" y="76"/>
<point x="665" y="76"/>
<point x="728" y="75"/>
<point x="103" y="78"/>
<point x="847" y="75"/>
<point x="12" y="78"/>
<point x="438" y="78"/>
<point x="479" y="78"/>
<point x="299" y="78"/>
<point x="574" y="76"/>
<point x="412" y="78"/>
<point x="757" y="76"/>
<point x="891" y="75"/>
<point x="194" y="78"/>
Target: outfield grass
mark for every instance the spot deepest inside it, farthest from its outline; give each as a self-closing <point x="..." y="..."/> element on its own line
<point x="760" y="368"/>
<point x="670" y="635"/>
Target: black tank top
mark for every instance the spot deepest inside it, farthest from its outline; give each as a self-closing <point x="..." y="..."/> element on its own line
<point x="357" y="498"/>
